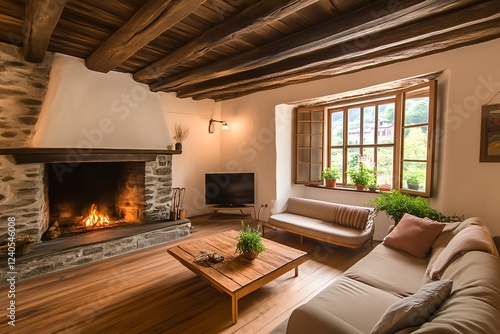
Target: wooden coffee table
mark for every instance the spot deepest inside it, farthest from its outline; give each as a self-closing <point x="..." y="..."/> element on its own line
<point x="236" y="275"/>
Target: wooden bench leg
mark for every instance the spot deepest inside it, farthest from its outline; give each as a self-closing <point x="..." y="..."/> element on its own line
<point x="301" y="239"/>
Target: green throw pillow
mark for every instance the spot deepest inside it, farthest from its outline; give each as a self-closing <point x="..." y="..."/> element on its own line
<point x="414" y="310"/>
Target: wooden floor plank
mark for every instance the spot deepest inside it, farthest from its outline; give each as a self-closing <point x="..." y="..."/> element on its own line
<point x="148" y="291"/>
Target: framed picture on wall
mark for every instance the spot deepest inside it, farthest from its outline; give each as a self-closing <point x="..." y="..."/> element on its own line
<point x="490" y="134"/>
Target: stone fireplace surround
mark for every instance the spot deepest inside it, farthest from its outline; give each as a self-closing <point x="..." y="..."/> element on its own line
<point x="30" y="209"/>
<point x="23" y="191"/>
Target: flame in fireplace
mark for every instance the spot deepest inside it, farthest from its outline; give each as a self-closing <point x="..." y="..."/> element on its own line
<point x="96" y="218"/>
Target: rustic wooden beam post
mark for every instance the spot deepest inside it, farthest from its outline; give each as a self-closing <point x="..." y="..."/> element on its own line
<point x="41" y="19"/>
<point x="154" y="18"/>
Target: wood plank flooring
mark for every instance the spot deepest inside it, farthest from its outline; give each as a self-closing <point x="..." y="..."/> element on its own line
<point x="148" y="291"/>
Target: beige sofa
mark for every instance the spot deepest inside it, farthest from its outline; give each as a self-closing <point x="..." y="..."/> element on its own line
<point x="344" y="225"/>
<point x="390" y="287"/>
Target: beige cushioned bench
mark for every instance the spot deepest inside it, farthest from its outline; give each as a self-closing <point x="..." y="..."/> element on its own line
<point x="344" y="225"/>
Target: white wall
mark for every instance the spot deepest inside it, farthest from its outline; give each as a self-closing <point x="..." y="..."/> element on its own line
<point x="200" y="150"/>
<point x="465" y="186"/>
<point x="83" y="108"/>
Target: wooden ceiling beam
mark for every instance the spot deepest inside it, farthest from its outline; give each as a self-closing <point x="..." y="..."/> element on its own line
<point x="41" y="19"/>
<point x="374" y="56"/>
<point x="354" y="26"/>
<point x="149" y="22"/>
<point x="234" y="27"/>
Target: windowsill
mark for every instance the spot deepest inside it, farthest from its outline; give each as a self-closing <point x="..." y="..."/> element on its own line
<point x="342" y="189"/>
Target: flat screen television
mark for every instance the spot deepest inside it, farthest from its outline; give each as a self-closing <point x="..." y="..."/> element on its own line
<point x="229" y="189"/>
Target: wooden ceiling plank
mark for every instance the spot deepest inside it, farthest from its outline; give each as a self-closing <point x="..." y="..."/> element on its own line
<point x="234" y="27"/>
<point x="149" y="22"/>
<point x="41" y="19"/>
<point x="354" y="26"/>
<point x="367" y="62"/>
<point x="385" y="50"/>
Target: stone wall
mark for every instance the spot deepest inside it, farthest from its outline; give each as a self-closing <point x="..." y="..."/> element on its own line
<point x="158" y="193"/>
<point x="23" y="86"/>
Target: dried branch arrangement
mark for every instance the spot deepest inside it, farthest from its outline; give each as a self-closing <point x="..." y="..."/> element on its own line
<point x="180" y="132"/>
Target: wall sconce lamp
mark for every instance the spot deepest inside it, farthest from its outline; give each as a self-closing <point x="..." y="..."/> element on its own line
<point x="211" y="126"/>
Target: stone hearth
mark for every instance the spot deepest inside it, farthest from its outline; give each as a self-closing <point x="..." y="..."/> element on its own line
<point x="84" y="248"/>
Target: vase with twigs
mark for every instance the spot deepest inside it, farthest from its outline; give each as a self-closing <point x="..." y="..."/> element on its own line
<point x="180" y="133"/>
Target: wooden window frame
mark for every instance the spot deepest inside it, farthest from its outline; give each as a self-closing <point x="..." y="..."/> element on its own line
<point x="398" y="98"/>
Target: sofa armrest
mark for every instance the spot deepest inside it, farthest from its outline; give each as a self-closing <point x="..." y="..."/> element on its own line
<point x="311" y="319"/>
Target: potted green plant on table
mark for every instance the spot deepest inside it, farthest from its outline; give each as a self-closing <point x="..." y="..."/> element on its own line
<point x="396" y="204"/>
<point x="330" y="175"/>
<point x="361" y="176"/>
<point x="250" y="242"/>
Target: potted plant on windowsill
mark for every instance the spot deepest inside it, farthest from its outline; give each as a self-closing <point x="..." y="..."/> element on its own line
<point x="361" y="176"/>
<point x="250" y="242"/>
<point x="330" y="175"/>
<point x="413" y="180"/>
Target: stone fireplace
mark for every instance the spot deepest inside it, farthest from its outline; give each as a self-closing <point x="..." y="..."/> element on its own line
<point x="141" y="187"/>
<point x="94" y="195"/>
<point x="135" y="196"/>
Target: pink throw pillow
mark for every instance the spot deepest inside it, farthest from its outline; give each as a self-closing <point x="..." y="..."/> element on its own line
<point x="414" y="235"/>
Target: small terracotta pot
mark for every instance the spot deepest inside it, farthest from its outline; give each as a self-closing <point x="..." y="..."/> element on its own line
<point x="360" y="187"/>
<point x="331" y="183"/>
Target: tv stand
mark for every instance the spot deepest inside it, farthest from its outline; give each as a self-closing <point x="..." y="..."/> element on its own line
<point x="216" y="208"/>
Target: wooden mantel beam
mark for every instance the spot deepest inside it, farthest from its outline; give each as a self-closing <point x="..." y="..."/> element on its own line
<point x="415" y="41"/>
<point x="41" y="19"/>
<point x="250" y="19"/>
<point x="150" y="21"/>
<point x="350" y="28"/>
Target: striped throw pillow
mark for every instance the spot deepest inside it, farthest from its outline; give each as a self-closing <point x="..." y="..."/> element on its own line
<point x="351" y="216"/>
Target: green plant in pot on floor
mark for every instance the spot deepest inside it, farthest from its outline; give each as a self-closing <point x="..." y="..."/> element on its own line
<point x="396" y="204"/>
<point x="250" y="242"/>
<point x="330" y="175"/>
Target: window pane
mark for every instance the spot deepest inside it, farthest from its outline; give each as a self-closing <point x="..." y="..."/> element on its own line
<point x="336" y="159"/>
<point x="354" y="126"/>
<point x="302" y="172"/>
<point x="417" y="107"/>
<point x="369" y="156"/>
<point x="317" y="127"/>
<point x="304" y="115"/>
<point x="369" y="125"/>
<point x="317" y="155"/>
<point x="385" y="169"/>
<point x="415" y="143"/>
<point x="304" y="128"/>
<point x="385" y="124"/>
<point x="414" y="175"/>
<point x="317" y="116"/>
<point x="352" y="159"/>
<point x="337" y="129"/>
<point x="316" y="141"/>
<point x="316" y="171"/>
<point x="304" y="155"/>
<point x="303" y="141"/>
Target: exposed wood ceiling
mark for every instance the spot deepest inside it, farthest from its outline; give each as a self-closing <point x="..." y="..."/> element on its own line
<point x="222" y="49"/>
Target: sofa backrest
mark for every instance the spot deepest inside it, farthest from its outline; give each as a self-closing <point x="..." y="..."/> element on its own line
<point x="357" y="217"/>
<point x="474" y="303"/>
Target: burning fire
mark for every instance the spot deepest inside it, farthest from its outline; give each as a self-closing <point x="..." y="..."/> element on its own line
<point x="96" y="219"/>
